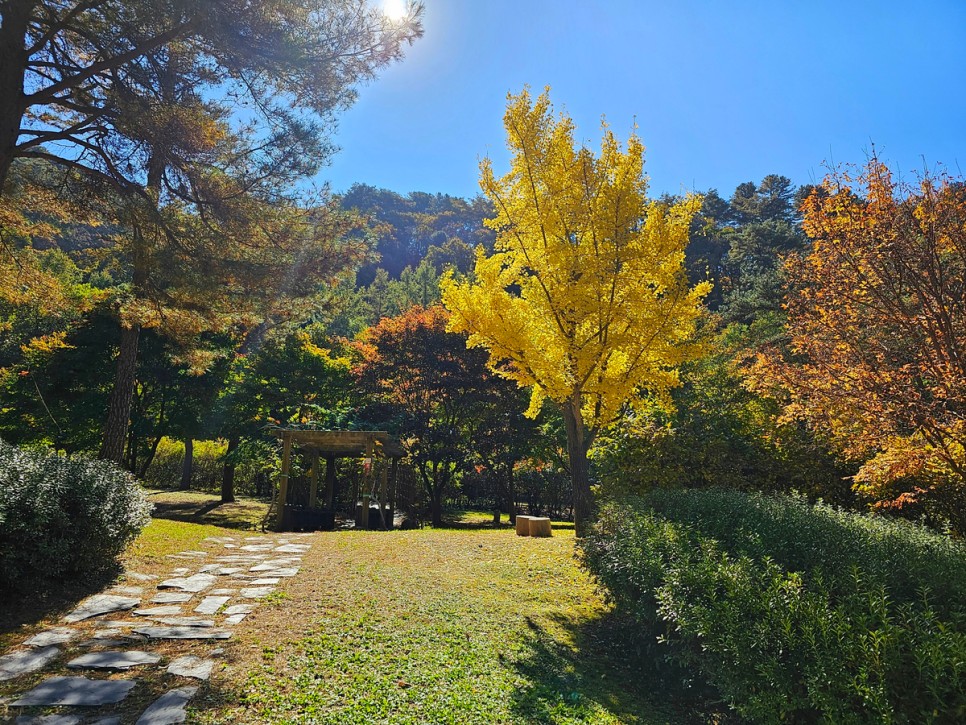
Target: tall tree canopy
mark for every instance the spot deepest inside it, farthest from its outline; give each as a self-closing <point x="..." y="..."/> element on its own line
<point x="191" y="120"/>
<point x="585" y="298"/>
<point x="877" y="320"/>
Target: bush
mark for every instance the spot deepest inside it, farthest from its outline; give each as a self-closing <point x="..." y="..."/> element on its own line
<point x="793" y="613"/>
<point x="63" y="516"/>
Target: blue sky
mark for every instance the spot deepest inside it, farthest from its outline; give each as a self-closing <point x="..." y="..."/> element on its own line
<point x="722" y="92"/>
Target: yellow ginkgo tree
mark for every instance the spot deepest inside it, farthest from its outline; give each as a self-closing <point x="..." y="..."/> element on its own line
<point x="584" y="298"/>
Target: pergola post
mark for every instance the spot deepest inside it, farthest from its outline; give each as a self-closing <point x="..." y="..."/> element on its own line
<point x="283" y="479"/>
<point x="314" y="479"/>
<point x="393" y="483"/>
<point x="329" y="482"/>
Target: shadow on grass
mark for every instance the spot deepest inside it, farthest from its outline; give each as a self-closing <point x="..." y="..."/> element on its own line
<point x="612" y="668"/>
<point x="193" y="509"/>
<point x="50" y="599"/>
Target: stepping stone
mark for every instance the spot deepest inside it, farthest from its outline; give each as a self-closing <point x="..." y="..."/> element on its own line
<point x="166" y="610"/>
<point x="168" y="709"/>
<point x="191" y="666"/>
<point x="292" y="548"/>
<point x="256" y="592"/>
<point x="57" y="635"/>
<point x="219" y="570"/>
<point x="109" y="720"/>
<point x="257" y="547"/>
<point x="113" y="660"/>
<point x="288" y="561"/>
<point x="254" y="538"/>
<point x="263" y="582"/>
<point x="210" y="605"/>
<point x="186" y="621"/>
<point x="101" y="604"/>
<point x="196" y="583"/>
<point x="234" y="619"/>
<point x="231" y="546"/>
<point x="240" y="609"/>
<point x="276" y="571"/>
<point x="180" y="571"/>
<point x="126" y="591"/>
<point x="106" y="635"/>
<point x="140" y="577"/>
<point x="76" y="691"/>
<point x="183" y="633"/>
<point x="171" y="598"/>
<point x="103" y="643"/>
<point x="223" y="592"/>
<point x="27" y="660"/>
<point x="241" y="559"/>
<point x="48" y="720"/>
<point x="190" y="554"/>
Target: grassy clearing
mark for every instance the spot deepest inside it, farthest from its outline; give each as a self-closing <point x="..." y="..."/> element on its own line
<point x="191" y="506"/>
<point x="445" y="626"/>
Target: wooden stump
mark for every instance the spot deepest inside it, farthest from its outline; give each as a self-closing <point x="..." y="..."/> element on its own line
<point x="523" y="525"/>
<point x="539" y="526"/>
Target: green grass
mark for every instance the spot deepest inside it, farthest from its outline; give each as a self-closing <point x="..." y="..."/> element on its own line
<point x="445" y="626"/>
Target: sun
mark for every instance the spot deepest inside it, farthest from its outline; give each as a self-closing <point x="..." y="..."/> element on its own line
<point x="395" y="10"/>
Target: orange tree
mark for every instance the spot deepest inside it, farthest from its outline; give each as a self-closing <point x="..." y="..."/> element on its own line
<point x="877" y="324"/>
<point x="424" y="384"/>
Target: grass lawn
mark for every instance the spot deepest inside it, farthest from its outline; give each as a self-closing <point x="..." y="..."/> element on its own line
<point x="445" y="626"/>
<point x="468" y="624"/>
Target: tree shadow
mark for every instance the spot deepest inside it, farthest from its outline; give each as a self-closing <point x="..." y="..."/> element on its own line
<point x="239" y="515"/>
<point x="50" y="599"/>
<point x="613" y="667"/>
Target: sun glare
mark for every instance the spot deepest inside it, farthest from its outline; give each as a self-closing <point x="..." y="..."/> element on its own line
<point x="395" y="10"/>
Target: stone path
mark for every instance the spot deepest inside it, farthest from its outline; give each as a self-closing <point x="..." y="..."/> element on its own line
<point x="110" y="635"/>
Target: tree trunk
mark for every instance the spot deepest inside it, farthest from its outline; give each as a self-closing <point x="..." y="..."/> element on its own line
<point x="228" y="473"/>
<point x="13" y="61"/>
<point x="189" y="449"/>
<point x="119" y="406"/>
<point x="511" y="495"/>
<point x="578" y="442"/>
<point x="436" y="508"/>
<point x="143" y="471"/>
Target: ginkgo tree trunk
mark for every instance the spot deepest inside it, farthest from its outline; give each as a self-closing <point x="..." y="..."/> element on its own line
<point x="584" y="298"/>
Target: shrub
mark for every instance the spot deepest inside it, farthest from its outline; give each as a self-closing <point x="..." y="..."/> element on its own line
<point x="793" y="613"/>
<point x="63" y="516"/>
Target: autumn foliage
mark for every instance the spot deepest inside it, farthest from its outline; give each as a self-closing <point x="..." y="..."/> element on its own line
<point x="584" y="299"/>
<point x="877" y="323"/>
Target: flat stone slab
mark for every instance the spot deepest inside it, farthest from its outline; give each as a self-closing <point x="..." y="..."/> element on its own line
<point x="109" y="720"/>
<point x="24" y="661"/>
<point x="292" y="548"/>
<point x="126" y="591"/>
<point x="256" y="592"/>
<point x="48" y="720"/>
<point x="183" y="632"/>
<point x="257" y="547"/>
<point x="96" y="642"/>
<point x="186" y="621"/>
<point x="76" y="691"/>
<point x="169" y="708"/>
<point x="140" y="577"/>
<point x="240" y="609"/>
<point x="101" y="604"/>
<point x="270" y="570"/>
<point x="163" y="611"/>
<point x="191" y="666"/>
<point x="180" y="571"/>
<point x="233" y="619"/>
<point x="210" y="605"/>
<point x="196" y="583"/>
<point x="219" y="570"/>
<point x="171" y="598"/>
<point x="223" y="592"/>
<point x="264" y="582"/>
<point x="113" y="660"/>
<point x="57" y="635"/>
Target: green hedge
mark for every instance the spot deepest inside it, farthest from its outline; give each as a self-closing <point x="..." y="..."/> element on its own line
<point x="794" y="613"/>
<point x="63" y="516"/>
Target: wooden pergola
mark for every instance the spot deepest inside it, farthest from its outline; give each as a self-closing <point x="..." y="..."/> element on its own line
<point x="332" y="445"/>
